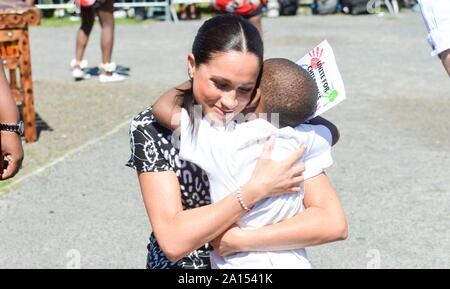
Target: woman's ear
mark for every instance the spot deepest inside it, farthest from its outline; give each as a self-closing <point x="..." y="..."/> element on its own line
<point x="256" y="99"/>
<point x="253" y="105"/>
<point x="191" y="65"/>
<point x="261" y="104"/>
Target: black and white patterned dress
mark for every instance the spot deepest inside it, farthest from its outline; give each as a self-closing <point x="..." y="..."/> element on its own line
<point x="152" y="151"/>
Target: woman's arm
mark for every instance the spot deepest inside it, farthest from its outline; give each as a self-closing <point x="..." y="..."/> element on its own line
<point x="180" y="232"/>
<point x="323" y="221"/>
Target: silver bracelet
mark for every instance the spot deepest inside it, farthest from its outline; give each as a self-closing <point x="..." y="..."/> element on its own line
<point x="241" y="201"/>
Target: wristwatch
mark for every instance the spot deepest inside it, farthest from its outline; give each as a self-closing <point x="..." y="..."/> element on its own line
<point x="17" y="128"/>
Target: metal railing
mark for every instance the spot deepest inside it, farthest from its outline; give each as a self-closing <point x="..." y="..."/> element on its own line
<point x="49" y="4"/>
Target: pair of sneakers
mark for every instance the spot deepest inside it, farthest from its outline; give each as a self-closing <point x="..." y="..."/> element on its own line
<point x="107" y="72"/>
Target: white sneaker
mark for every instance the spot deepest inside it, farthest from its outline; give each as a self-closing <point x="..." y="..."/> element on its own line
<point x="273" y="8"/>
<point x="114" y="77"/>
<point x="83" y="63"/>
<point x="108" y="67"/>
<point x="79" y="74"/>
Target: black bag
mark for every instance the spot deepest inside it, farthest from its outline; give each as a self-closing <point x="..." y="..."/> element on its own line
<point x="323" y="7"/>
<point x="355" y="7"/>
<point x="288" y="7"/>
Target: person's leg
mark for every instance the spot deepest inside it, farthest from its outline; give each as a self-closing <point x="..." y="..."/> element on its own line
<point x="445" y="57"/>
<point x="105" y="13"/>
<point x="87" y="22"/>
<point x="107" y="68"/>
<point x="192" y="11"/>
<point x="183" y="12"/>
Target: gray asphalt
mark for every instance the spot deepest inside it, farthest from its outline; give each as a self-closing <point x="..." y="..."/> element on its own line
<point x="391" y="164"/>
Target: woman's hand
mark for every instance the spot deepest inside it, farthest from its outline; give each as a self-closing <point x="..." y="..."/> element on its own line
<point x="322" y="221"/>
<point x="227" y="242"/>
<point x="271" y="178"/>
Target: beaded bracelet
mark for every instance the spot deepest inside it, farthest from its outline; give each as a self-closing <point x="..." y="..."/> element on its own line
<point x="241" y="201"/>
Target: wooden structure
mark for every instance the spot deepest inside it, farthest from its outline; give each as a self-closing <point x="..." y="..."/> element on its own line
<point x="15" y="17"/>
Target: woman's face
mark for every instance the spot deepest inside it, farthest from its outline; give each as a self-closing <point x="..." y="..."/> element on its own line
<point x="224" y="85"/>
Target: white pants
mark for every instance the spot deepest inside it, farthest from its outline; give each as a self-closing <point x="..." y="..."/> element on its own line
<point x="436" y="14"/>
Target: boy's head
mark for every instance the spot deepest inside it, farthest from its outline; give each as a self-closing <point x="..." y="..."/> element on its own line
<point x="287" y="89"/>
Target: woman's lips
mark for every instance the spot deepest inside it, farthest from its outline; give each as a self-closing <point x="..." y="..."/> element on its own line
<point x="221" y="112"/>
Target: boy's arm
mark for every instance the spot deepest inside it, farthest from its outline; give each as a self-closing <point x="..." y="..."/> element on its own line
<point x="322" y="221"/>
<point x="328" y="124"/>
<point x="169" y="105"/>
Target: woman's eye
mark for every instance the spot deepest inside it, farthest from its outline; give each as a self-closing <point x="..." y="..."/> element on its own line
<point x="245" y="90"/>
<point x="219" y="85"/>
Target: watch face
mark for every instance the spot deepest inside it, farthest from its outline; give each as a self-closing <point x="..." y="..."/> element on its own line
<point x="18" y="128"/>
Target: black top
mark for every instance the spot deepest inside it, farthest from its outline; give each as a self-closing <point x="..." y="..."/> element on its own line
<point x="152" y="151"/>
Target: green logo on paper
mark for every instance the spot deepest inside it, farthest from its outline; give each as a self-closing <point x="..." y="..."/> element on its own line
<point x="331" y="94"/>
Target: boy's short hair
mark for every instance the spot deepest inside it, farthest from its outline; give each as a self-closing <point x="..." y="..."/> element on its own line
<point x="288" y="90"/>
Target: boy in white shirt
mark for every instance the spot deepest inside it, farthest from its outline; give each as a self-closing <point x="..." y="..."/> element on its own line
<point x="228" y="154"/>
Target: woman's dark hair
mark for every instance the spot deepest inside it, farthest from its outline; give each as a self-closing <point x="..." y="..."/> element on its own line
<point x="222" y="33"/>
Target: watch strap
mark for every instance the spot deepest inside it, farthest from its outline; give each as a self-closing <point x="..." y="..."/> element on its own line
<point x="11" y="127"/>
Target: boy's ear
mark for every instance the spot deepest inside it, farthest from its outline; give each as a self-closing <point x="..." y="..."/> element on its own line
<point x="191" y="65"/>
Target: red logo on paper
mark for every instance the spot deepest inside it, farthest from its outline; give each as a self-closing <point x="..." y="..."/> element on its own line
<point x="316" y="54"/>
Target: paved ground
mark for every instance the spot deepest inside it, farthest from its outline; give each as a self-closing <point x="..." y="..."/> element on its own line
<point x="391" y="165"/>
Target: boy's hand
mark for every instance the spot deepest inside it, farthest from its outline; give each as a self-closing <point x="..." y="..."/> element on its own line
<point x="226" y="243"/>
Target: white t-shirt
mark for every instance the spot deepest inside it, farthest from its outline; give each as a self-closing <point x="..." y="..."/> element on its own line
<point x="228" y="154"/>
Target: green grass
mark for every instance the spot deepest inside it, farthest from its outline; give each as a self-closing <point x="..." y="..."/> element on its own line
<point x="66" y="22"/>
<point x="5" y="183"/>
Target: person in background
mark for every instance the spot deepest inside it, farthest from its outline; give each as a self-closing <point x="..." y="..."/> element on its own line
<point x="251" y="10"/>
<point x="436" y="15"/>
<point x="104" y="9"/>
<point x="189" y="12"/>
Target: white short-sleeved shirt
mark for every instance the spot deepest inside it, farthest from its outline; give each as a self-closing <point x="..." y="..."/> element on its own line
<point x="436" y="14"/>
<point x="229" y="154"/>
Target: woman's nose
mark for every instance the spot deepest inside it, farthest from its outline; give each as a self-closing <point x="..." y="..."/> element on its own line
<point x="229" y="100"/>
